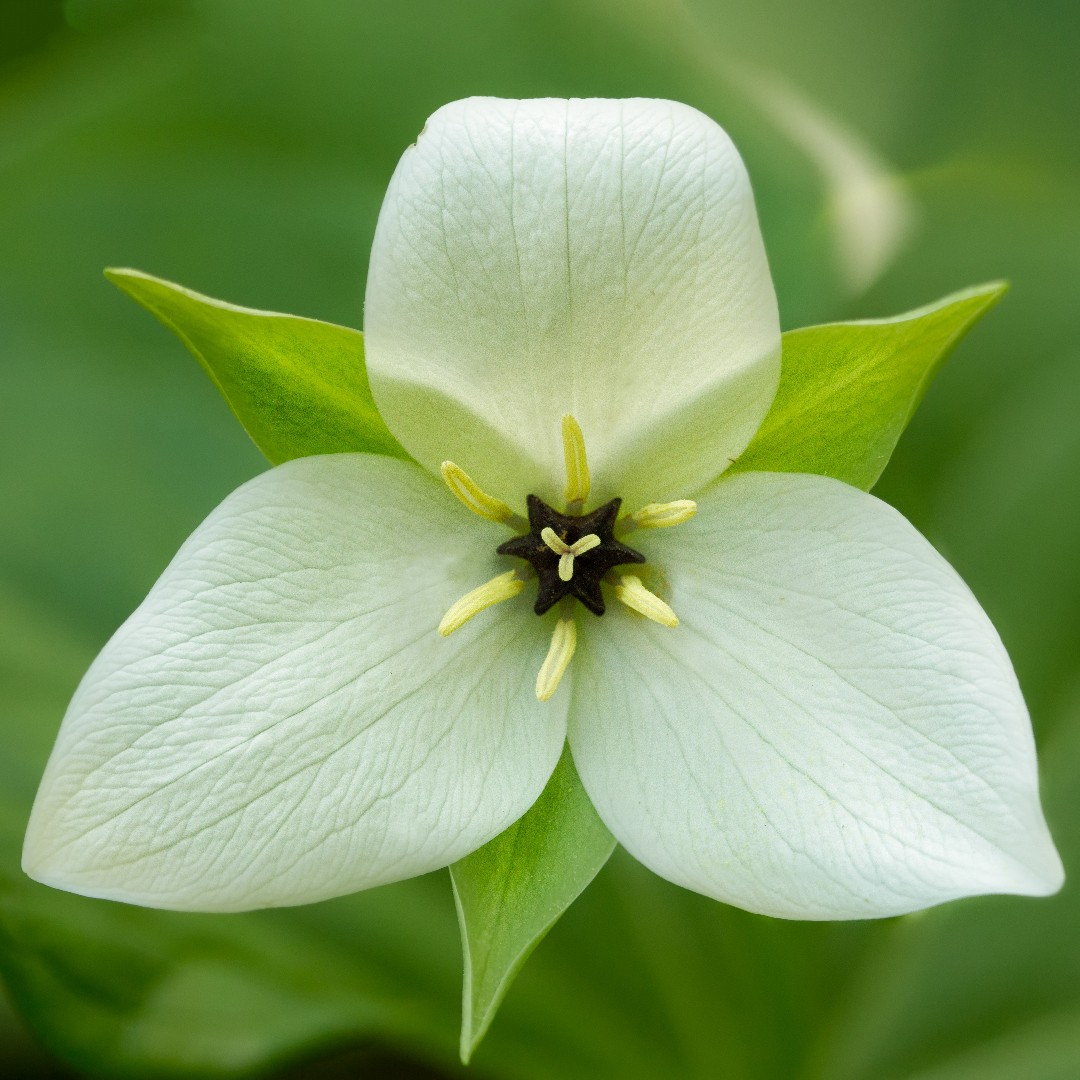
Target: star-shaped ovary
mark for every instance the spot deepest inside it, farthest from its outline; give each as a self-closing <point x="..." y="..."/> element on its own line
<point x="570" y="553"/>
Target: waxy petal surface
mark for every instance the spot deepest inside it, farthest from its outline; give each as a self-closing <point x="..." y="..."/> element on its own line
<point x="279" y="722"/>
<point x="594" y="257"/>
<point x="833" y="731"/>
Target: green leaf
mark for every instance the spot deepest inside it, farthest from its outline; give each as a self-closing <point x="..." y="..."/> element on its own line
<point x="137" y="994"/>
<point x="1045" y="1049"/>
<point x="299" y="386"/>
<point x="512" y="891"/>
<point x="848" y="390"/>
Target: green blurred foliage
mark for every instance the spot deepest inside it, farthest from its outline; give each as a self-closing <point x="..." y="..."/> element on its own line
<point x="243" y="149"/>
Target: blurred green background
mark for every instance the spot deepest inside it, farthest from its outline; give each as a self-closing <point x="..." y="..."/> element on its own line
<point x="899" y="151"/>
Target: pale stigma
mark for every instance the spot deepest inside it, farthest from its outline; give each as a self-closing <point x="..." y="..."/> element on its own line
<point x="567" y="552"/>
<point x="561" y="652"/>
<point x="577" y="465"/>
<point x="472" y="603"/>
<point x="635" y="596"/>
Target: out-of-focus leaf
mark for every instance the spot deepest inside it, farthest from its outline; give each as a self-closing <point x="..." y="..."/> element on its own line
<point x="871" y="210"/>
<point x="127" y="993"/>
<point x="848" y="390"/>
<point x="512" y="891"/>
<point x="1046" y="1049"/>
<point x="1005" y="502"/>
<point x="299" y="386"/>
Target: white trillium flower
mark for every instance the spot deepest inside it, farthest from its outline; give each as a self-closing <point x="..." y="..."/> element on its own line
<point x="791" y="703"/>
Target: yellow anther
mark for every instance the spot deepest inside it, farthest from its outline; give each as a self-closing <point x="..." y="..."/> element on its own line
<point x="635" y="596"/>
<point x="660" y="515"/>
<point x="475" y="498"/>
<point x="561" y="652"/>
<point x="565" y="551"/>
<point x="577" y="466"/>
<point x="495" y="591"/>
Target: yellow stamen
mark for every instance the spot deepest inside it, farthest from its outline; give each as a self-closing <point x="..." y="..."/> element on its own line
<point x="635" y="596"/>
<point x="577" y="466"/>
<point x="565" y="551"/>
<point x="561" y="652"/>
<point x="659" y="515"/>
<point x="495" y="591"/>
<point x="476" y="499"/>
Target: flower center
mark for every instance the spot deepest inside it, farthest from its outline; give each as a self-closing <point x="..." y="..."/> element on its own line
<point x="569" y="553"/>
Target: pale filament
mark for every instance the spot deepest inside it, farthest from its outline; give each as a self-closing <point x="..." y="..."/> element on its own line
<point x="659" y="515"/>
<point x="636" y="597"/>
<point x="560" y="653"/>
<point x="577" y="466"/>
<point x="478" y="500"/>
<point x="472" y="603"/>
<point x="567" y="552"/>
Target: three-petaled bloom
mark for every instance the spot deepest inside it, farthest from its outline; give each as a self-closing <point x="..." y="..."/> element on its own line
<point x="814" y="720"/>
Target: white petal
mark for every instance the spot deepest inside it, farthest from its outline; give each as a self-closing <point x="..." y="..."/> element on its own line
<point x="279" y="722"/>
<point x="834" y="729"/>
<point x="596" y="257"/>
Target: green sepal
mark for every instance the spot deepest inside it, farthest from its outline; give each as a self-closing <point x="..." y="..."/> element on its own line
<point x="513" y="890"/>
<point x="298" y="386"/>
<point x="848" y="390"/>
